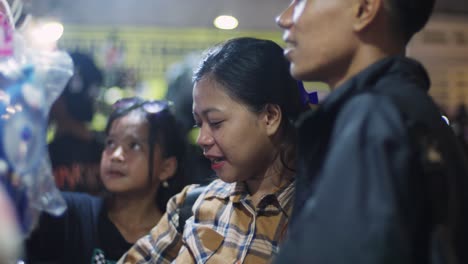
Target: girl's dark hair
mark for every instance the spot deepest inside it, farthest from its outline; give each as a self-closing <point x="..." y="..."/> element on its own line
<point x="255" y="73"/>
<point x="164" y="130"/>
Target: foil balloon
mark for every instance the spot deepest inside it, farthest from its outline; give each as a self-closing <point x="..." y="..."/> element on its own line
<point x="30" y="81"/>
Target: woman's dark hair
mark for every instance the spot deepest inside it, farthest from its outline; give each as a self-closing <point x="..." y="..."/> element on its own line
<point x="164" y="130"/>
<point x="255" y="73"/>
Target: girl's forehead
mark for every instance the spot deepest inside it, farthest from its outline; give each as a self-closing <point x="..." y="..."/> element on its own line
<point x="131" y="123"/>
<point x="133" y="118"/>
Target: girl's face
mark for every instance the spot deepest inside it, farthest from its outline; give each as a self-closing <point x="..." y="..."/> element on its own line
<point x="235" y="139"/>
<point x="124" y="162"/>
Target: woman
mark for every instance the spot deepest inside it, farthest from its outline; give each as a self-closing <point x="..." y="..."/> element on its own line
<point x="140" y="168"/>
<point x="244" y="102"/>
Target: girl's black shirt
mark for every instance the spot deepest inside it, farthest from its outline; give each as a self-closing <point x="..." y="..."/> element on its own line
<point x="83" y="234"/>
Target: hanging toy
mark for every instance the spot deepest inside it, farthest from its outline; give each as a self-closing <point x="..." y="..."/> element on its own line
<point x="30" y="80"/>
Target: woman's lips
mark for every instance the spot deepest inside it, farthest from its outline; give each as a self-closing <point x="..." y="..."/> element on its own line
<point x="217" y="165"/>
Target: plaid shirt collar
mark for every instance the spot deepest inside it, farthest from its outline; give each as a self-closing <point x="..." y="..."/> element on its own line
<point x="237" y="192"/>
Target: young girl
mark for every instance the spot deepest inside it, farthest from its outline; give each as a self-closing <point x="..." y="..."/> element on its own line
<point x="140" y="168"/>
<point x="244" y="103"/>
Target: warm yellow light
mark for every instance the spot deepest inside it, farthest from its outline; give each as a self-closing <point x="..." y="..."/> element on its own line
<point x="226" y="22"/>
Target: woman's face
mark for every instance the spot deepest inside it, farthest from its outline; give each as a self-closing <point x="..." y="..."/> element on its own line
<point x="235" y="139"/>
<point x="124" y="162"/>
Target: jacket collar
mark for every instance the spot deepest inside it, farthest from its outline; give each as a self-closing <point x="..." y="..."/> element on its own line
<point x="390" y="67"/>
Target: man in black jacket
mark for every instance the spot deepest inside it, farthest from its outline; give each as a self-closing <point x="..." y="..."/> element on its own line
<point x="381" y="178"/>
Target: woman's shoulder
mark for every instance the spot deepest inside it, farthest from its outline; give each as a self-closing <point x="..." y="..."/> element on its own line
<point x="218" y="188"/>
<point x="179" y="199"/>
<point x="198" y="192"/>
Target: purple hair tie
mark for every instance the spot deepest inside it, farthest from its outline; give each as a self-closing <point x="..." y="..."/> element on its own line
<point x="307" y="98"/>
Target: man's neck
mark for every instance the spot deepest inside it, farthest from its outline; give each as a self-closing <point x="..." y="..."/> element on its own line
<point x="364" y="57"/>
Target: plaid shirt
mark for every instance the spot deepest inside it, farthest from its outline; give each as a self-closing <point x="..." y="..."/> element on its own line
<point x="225" y="228"/>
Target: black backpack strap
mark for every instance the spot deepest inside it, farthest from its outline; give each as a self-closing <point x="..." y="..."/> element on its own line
<point x="185" y="209"/>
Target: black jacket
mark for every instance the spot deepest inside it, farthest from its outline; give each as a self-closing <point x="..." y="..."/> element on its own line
<point x="381" y="177"/>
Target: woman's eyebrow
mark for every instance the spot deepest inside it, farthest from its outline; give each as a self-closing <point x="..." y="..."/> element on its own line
<point x="210" y="110"/>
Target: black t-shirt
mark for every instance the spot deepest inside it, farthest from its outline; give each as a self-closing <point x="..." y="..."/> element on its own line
<point x="83" y="234"/>
<point x="111" y="243"/>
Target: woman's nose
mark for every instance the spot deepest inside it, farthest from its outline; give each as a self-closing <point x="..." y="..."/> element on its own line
<point x="204" y="139"/>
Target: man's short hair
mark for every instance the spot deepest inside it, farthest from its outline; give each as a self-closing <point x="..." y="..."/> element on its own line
<point x="409" y="16"/>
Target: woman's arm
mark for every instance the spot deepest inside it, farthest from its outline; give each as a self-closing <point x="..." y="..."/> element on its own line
<point x="163" y="243"/>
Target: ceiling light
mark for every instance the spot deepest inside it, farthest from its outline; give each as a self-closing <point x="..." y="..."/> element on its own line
<point x="226" y="22"/>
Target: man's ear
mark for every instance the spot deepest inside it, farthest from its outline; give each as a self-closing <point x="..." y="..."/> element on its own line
<point x="365" y="12"/>
<point x="272" y="118"/>
<point x="168" y="168"/>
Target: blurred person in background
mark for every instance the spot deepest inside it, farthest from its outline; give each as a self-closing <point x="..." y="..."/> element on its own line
<point x="179" y="78"/>
<point x="381" y="176"/>
<point x="75" y="150"/>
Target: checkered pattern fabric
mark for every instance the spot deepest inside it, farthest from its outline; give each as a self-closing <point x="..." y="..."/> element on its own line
<point x="225" y="228"/>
